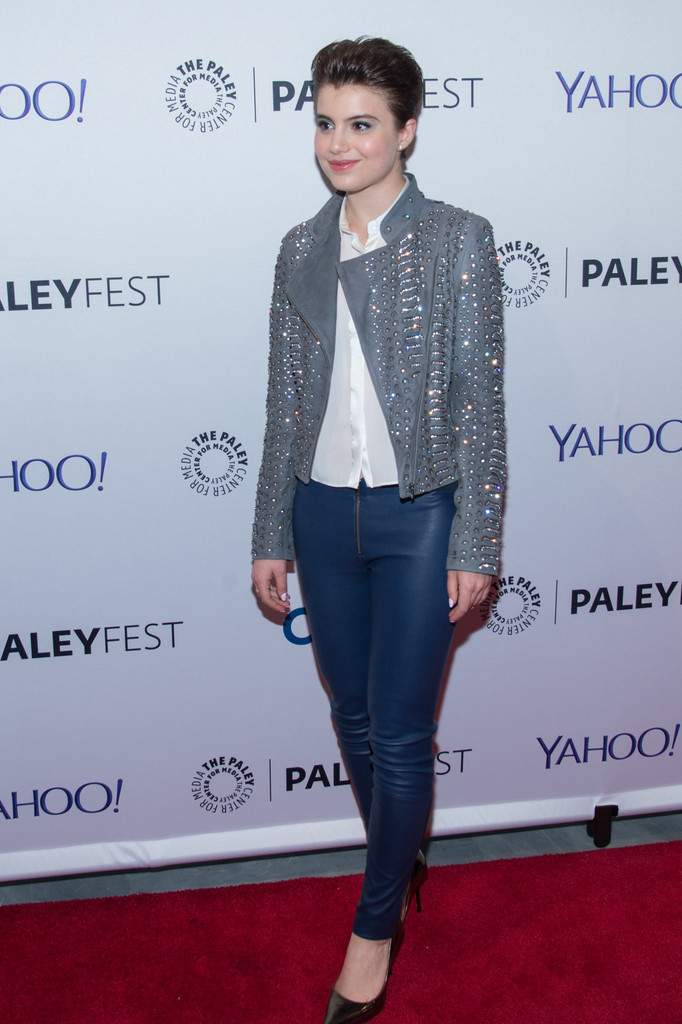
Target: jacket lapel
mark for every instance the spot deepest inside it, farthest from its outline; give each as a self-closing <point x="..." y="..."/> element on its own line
<point x="313" y="286"/>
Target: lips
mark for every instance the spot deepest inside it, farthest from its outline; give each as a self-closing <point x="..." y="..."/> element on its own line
<point x="343" y="165"/>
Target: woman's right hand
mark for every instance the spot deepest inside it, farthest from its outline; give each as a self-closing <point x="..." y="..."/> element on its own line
<point x="269" y="578"/>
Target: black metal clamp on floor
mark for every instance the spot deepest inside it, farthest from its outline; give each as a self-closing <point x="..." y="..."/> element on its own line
<point x="599" y="828"/>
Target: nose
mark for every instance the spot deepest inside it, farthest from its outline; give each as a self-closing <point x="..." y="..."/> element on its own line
<point x="338" y="142"/>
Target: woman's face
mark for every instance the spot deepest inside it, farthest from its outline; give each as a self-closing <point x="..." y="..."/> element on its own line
<point x="357" y="143"/>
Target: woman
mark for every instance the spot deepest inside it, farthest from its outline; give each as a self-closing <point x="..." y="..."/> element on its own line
<point x="383" y="464"/>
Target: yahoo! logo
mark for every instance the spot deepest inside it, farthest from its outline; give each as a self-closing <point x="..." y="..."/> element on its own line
<point x="635" y="439"/>
<point x="90" y="798"/>
<point x="651" y="743"/>
<point x="51" y="101"/>
<point x="73" y="473"/>
<point x="647" y="91"/>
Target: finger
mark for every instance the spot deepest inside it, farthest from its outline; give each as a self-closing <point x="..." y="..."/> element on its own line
<point x="269" y="598"/>
<point x="464" y="605"/>
<point x="458" y="612"/>
<point x="277" y="590"/>
<point x="270" y="585"/>
<point x="453" y="587"/>
<point x="472" y="589"/>
<point x="453" y="593"/>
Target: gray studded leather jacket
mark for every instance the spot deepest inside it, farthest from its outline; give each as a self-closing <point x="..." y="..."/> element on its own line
<point x="428" y="312"/>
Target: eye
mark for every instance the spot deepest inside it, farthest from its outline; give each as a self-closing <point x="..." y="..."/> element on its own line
<point x="323" y="125"/>
<point x="361" y="126"/>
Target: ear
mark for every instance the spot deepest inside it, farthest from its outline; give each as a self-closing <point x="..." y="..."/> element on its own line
<point x="407" y="133"/>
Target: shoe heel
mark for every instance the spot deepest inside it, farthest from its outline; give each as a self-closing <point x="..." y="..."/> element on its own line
<point x="419" y="881"/>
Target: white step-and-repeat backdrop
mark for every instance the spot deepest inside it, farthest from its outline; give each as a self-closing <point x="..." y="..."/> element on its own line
<point x="152" y="157"/>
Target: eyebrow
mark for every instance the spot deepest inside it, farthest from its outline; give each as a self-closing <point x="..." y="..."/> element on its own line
<point x="354" y="117"/>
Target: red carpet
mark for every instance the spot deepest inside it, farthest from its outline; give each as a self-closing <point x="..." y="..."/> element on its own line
<point x="589" y="938"/>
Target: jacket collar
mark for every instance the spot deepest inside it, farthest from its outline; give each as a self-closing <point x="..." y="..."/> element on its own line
<point x="313" y="286"/>
<point x="408" y="207"/>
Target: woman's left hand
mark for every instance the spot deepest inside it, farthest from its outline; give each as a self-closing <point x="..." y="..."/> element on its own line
<point x="466" y="590"/>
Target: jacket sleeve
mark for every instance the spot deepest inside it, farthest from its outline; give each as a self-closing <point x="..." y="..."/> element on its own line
<point x="477" y="405"/>
<point x="272" y="530"/>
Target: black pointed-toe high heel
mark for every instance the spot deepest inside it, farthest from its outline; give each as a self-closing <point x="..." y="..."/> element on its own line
<point x="344" y="1011"/>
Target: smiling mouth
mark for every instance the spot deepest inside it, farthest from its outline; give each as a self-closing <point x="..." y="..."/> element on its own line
<point x="342" y="165"/>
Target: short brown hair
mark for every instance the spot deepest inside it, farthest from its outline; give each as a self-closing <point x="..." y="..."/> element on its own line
<point x="378" y="64"/>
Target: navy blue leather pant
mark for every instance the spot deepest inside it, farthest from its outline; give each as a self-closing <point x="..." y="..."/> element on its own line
<point x="373" y="578"/>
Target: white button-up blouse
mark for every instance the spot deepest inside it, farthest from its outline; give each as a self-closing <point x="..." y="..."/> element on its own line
<point x="354" y="442"/>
